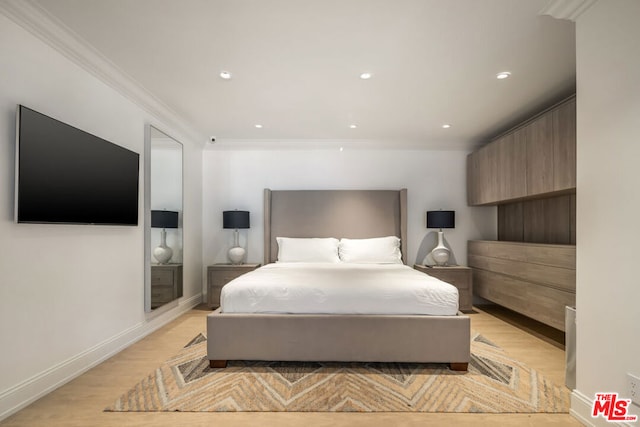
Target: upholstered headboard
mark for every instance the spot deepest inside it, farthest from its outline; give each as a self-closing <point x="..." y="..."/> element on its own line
<point x="355" y="214"/>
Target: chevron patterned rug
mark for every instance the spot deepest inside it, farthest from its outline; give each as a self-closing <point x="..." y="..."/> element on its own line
<point x="495" y="383"/>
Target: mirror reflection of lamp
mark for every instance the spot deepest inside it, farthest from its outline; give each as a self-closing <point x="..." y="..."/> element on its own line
<point x="164" y="220"/>
<point x="235" y="219"/>
<point x="441" y="219"/>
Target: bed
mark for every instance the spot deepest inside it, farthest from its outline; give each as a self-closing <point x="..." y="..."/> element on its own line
<point x="343" y="336"/>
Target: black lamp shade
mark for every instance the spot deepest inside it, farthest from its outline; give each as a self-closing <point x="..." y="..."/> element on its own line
<point x="164" y="219"/>
<point x="235" y="219"/>
<point x="441" y="219"/>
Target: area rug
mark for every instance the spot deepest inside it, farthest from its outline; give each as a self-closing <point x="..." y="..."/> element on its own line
<point x="495" y="383"/>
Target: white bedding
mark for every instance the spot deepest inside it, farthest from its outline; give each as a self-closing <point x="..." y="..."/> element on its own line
<point x="338" y="288"/>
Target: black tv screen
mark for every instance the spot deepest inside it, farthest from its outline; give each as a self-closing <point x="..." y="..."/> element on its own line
<point x="66" y="175"/>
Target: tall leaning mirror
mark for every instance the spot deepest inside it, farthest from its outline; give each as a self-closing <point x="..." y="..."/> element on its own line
<point x="163" y="219"/>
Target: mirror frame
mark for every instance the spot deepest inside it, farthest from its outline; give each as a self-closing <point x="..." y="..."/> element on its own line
<point x="148" y="131"/>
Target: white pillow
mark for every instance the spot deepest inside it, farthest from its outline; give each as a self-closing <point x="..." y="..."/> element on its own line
<point x="380" y="250"/>
<point x="292" y="249"/>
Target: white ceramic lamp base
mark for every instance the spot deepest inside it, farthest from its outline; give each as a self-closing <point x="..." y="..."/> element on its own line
<point x="236" y="255"/>
<point x="440" y="253"/>
<point x="163" y="253"/>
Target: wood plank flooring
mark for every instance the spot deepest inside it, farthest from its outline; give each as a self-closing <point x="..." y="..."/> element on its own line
<point x="80" y="403"/>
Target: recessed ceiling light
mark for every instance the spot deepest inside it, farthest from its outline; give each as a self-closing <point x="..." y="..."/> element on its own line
<point x="446" y="126"/>
<point x="503" y="75"/>
<point x="225" y="75"/>
<point x="341" y="148"/>
<point x="353" y="126"/>
<point x="259" y="126"/>
<point x="366" y="76"/>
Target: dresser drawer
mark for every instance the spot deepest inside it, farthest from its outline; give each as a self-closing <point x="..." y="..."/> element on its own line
<point x="220" y="279"/>
<point x="162" y="294"/>
<point x="162" y="277"/>
<point x="459" y="279"/>
<point x="458" y="276"/>
<point x="219" y="275"/>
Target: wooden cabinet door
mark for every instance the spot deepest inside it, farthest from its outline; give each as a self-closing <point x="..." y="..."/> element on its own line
<point x="488" y="179"/>
<point x="502" y="167"/>
<point x="482" y="180"/>
<point x="537" y="158"/>
<point x="472" y="179"/>
<point x="539" y="142"/>
<point x="564" y="146"/>
<point x="511" y="166"/>
<point x="497" y="171"/>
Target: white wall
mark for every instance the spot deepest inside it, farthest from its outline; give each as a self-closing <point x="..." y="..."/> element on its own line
<point x="434" y="180"/>
<point x="608" y="200"/>
<point x="72" y="294"/>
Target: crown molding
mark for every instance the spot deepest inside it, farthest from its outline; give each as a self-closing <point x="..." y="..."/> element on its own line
<point x="334" y="145"/>
<point x="566" y="9"/>
<point x="34" y="18"/>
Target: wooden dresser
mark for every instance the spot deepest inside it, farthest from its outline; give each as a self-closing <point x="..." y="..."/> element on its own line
<point x="537" y="280"/>
<point x="166" y="283"/>
<point x="219" y="275"/>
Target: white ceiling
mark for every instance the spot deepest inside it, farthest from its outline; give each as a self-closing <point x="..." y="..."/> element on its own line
<point x="296" y="65"/>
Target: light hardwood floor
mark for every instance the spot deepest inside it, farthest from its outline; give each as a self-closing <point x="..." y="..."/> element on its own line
<point x="81" y="402"/>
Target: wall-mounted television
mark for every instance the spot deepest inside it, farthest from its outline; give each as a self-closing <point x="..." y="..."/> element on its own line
<point x="67" y="176"/>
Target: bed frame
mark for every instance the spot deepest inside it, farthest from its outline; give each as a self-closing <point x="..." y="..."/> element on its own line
<point x="331" y="337"/>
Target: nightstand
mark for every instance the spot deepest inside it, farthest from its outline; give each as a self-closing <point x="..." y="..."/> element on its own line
<point x="219" y="275"/>
<point x="457" y="275"/>
<point x="166" y="283"/>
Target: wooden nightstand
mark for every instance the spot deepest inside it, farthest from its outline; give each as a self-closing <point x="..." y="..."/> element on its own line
<point x="219" y="275"/>
<point x="166" y="283"/>
<point x="459" y="276"/>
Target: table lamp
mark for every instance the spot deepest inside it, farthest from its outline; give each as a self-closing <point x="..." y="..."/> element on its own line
<point x="441" y="219"/>
<point x="164" y="220"/>
<point x="235" y="220"/>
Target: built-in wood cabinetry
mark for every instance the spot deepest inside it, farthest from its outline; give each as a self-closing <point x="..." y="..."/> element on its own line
<point x="530" y="173"/>
<point x="537" y="280"/>
<point x="546" y="220"/>
<point x="534" y="159"/>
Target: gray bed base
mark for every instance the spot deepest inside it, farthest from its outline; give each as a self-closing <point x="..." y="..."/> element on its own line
<point x="329" y="337"/>
<point x="339" y="338"/>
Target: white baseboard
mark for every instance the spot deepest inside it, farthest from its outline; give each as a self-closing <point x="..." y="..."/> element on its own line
<point x="581" y="407"/>
<point x="32" y="389"/>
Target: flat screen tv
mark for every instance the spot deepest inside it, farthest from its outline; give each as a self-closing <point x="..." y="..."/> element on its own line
<point x="67" y="176"/>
